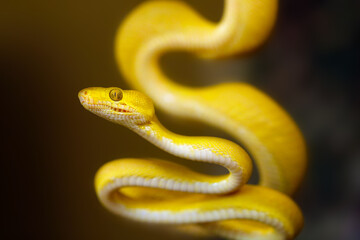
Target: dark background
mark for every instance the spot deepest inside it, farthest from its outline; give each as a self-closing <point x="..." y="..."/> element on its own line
<point x="49" y="50"/>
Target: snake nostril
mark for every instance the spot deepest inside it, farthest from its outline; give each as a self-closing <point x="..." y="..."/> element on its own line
<point x="85" y="93"/>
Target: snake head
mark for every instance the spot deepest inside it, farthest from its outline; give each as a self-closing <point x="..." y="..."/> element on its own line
<point x="125" y="107"/>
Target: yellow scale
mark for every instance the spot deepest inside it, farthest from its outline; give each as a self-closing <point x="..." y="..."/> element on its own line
<point x="158" y="191"/>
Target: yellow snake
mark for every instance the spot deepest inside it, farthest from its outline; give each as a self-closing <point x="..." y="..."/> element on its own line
<point x="158" y="191"/>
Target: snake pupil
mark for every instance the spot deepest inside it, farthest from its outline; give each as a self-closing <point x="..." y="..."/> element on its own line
<point x="116" y="94"/>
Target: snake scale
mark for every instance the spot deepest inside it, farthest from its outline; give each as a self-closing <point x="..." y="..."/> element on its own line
<point x="158" y="191"/>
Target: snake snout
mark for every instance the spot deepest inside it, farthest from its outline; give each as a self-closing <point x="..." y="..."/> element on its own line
<point x="84" y="96"/>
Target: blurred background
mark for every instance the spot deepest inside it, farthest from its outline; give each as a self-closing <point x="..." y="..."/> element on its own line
<point x="49" y="50"/>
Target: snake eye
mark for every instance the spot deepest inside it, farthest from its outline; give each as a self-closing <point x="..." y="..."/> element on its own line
<point x="116" y="94"/>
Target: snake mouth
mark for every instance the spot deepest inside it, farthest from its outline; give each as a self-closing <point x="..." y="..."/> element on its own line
<point x="118" y="108"/>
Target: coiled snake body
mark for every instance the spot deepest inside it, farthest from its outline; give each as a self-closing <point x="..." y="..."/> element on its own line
<point x="158" y="191"/>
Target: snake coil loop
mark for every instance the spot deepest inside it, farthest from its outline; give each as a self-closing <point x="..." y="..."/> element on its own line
<point x="157" y="191"/>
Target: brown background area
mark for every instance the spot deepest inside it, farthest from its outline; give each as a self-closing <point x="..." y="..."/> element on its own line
<point x="52" y="49"/>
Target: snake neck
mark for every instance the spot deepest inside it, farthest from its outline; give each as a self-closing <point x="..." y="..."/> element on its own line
<point x="203" y="149"/>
